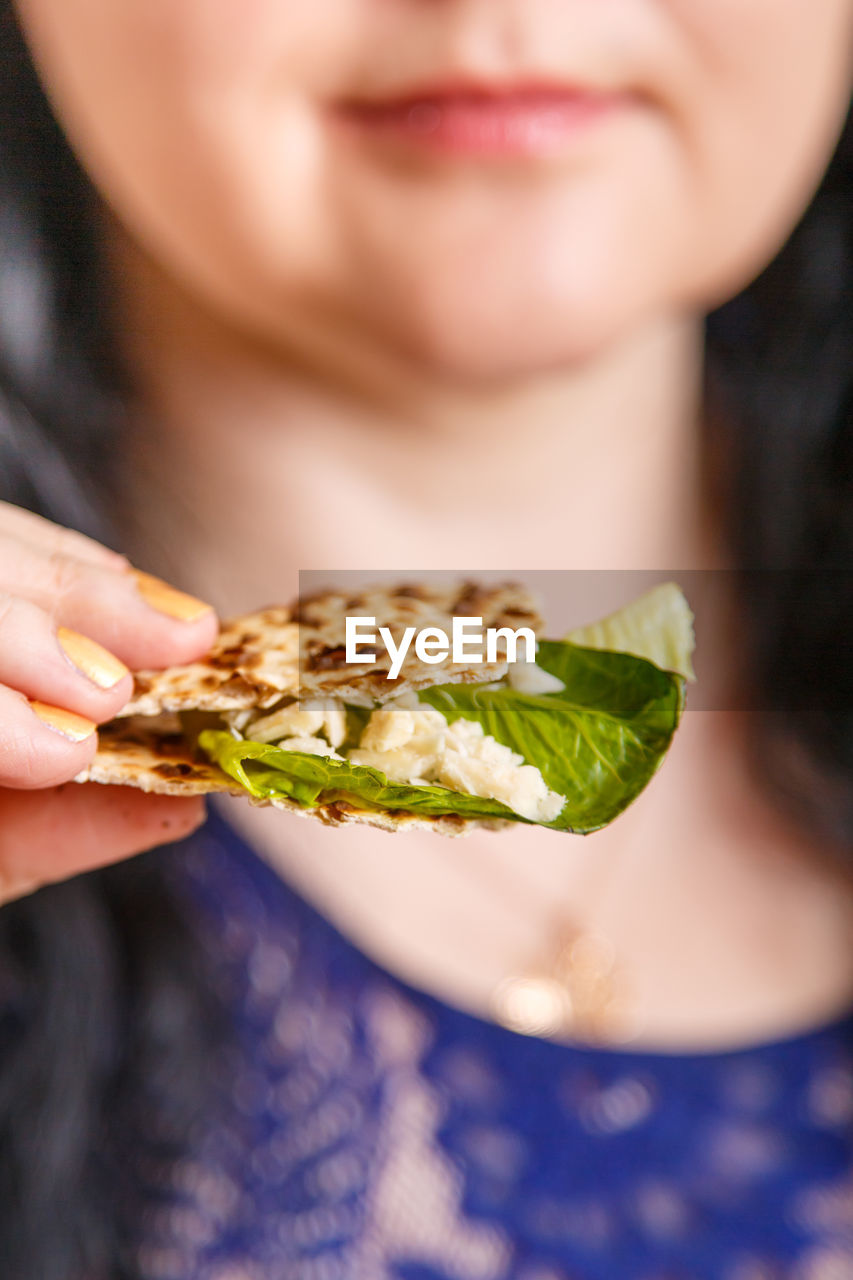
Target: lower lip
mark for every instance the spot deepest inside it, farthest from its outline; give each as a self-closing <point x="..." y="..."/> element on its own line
<point x="522" y="125"/>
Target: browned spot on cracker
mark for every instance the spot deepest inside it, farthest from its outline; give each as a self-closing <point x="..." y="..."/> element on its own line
<point x="231" y="657"/>
<point x="304" y="614"/>
<point x="467" y="598"/>
<point x="328" y="658"/>
<point x="338" y="808"/>
<point x="168" y="769"/>
<point x="239" y="684"/>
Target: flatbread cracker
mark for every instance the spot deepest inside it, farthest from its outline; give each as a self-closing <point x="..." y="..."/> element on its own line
<point x="150" y="752"/>
<point x="299" y="652"/>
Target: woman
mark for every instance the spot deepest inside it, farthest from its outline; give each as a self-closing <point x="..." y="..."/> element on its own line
<point x="418" y="285"/>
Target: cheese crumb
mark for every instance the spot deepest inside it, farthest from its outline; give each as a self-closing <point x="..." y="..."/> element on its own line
<point x="313" y="747"/>
<point x="302" y="719"/>
<point x="419" y="746"/>
<point x="526" y="677"/>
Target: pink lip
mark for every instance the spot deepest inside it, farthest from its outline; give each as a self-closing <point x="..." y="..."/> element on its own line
<point x="533" y="120"/>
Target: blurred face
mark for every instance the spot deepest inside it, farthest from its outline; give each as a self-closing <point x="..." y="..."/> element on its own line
<point x="490" y="187"/>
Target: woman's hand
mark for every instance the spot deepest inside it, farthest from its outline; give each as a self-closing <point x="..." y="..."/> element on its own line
<point x="74" y="618"/>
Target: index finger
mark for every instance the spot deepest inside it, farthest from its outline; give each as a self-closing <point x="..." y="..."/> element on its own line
<point x="141" y="620"/>
<point x="52" y="539"/>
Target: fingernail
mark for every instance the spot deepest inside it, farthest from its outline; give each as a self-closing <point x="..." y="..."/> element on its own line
<point x="166" y="599"/>
<point x="71" y="726"/>
<point x="96" y="663"/>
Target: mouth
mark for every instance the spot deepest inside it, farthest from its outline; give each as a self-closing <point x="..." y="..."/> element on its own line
<point x="533" y="120"/>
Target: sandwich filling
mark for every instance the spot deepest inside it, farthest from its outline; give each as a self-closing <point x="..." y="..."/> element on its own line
<point x="409" y="742"/>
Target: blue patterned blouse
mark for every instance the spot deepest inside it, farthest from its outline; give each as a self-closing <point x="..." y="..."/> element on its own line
<point x="374" y="1132"/>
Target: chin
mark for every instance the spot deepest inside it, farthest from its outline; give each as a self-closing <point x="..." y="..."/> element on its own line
<point x="522" y="308"/>
<point x="510" y="340"/>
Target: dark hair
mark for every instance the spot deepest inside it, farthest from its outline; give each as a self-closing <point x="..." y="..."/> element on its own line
<point x="96" y="976"/>
<point x="779" y="398"/>
<point x="102" y="998"/>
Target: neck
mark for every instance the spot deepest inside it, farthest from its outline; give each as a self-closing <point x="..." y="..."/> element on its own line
<point x="239" y="448"/>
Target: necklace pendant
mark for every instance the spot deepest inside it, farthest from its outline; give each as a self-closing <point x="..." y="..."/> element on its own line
<point x="579" y="996"/>
<point x="534" y="1004"/>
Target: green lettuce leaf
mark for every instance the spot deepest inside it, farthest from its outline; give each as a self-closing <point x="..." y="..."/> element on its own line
<point x="598" y="742"/>
<point x="270" y="773"/>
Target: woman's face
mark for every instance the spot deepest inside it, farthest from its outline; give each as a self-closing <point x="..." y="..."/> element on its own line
<point x="490" y="186"/>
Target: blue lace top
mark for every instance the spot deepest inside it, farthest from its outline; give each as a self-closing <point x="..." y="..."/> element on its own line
<point x="373" y="1131"/>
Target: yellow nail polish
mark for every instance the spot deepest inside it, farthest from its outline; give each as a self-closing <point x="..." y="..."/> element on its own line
<point x="70" y="725"/>
<point x="168" y="600"/>
<point x="96" y="663"/>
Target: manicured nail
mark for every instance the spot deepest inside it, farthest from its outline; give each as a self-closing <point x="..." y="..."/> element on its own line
<point x="71" y="726"/>
<point x="168" y="600"/>
<point x="96" y="663"/>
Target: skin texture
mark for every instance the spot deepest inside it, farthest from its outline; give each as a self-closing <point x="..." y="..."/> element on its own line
<point x="234" y="176"/>
<point x="351" y="354"/>
<point x="51" y="579"/>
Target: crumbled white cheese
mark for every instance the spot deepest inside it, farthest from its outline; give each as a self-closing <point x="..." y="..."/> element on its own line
<point x="412" y="742"/>
<point x="303" y="719"/>
<point x="420" y="746"/>
<point x="403" y="744"/>
<point x="391" y="727"/>
<point x="526" y="677"/>
<point x="289" y="720"/>
<point x="388" y="728"/>
<point x="313" y="746"/>
<point x="237" y="720"/>
<point x="334" y="721"/>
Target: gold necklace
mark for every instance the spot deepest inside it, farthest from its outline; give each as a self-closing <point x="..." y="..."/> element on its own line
<point x="578" y="989"/>
<point x="580" y="992"/>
